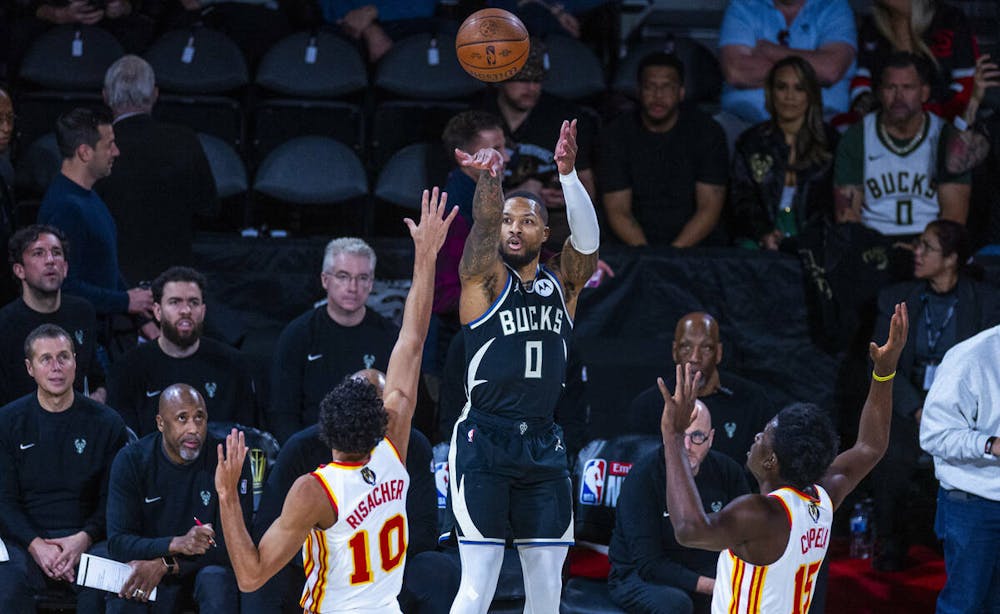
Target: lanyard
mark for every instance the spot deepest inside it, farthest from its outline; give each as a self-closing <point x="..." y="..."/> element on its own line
<point x="933" y="336"/>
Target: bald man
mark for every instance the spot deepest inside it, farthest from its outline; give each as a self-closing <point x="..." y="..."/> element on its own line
<point x="162" y="510"/>
<point x="302" y="453"/>
<point x="741" y="407"/>
<point x="650" y="571"/>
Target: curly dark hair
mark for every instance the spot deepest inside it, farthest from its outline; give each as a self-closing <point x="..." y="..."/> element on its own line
<point x="805" y="444"/>
<point x="352" y="418"/>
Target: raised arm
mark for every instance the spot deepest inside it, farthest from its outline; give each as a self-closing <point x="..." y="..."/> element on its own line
<point x="852" y="465"/>
<point x="578" y="259"/>
<point x="481" y="266"/>
<point x="403" y="373"/>
<point x="306" y="506"/>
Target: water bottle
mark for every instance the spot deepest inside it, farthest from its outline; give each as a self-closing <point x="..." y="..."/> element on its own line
<point x="861" y="531"/>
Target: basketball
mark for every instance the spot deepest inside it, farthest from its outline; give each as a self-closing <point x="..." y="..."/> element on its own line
<point x="492" y="45"/>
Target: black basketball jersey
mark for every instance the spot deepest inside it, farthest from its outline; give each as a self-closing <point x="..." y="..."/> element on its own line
<point x="516" y="351"/>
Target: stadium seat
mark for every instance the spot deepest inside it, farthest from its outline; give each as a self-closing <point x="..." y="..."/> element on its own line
<point x="586" y="596"/>
<point x="702" y="73"/>
<point x="70" y="57"/>
<point x="263" y="452"/>
<point x="319" y="65"/>
<point x="275" y="121"/>
<point x="398" y="123"/>
<point x="38" y="166"/>
<point x="404" y="176"/>
<point x="227" y="167"/>
<point x="406" y="72"/>
<point x="574" y="73"/>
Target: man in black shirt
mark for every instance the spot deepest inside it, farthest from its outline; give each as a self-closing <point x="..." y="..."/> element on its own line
<point x="650" y="571"/>
<point x="162" y="508"/>
<point x="664" y="168"/>
<point x="741" y="407"/>
<point x="326" y="344"/>
<point x="56" y="447"/>
<point x="181" y="355"/>
<point x="38" y="259"/>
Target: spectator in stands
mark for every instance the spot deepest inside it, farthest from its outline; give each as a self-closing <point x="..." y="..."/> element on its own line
<point x="650" y="571"/>
<point x="8" y="285"/>
<point x="741" y="407"/>
<point x="162" y="510"/>
<point x="890" y="170"/>
<point x="467" y="131"/>
<point x="782" y="175"/>
<point x="532" y="120"/>
<point x="932" y="30"/>
<point x="378" y="24"/>
<point x="161" y="180"/>
<point x="663" y="168"/>
<point x="56" y="448"/>
<point x="329" y="342"/>
<point x="960" y="427"/>
<point x="968" y="146"/>
<point x="38" y="258"/>
<point x="181" y="355"/>
<point x="87" y="144"/>
<point x="755" y="34"/>
<point x="947" y="307"/>
<point x="304" y="452"/>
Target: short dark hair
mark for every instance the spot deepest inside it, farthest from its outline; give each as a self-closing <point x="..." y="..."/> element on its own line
<point x="352" y="418"/>
<point x="543" y="211"/>
<point x="177" y="273"/>
<point x="661" y="58"/>
<point x="80" y="126"/>
<point x="463" y="128"/>
<point x="805" y="444"/>
<point x="954" y="239"/>
<point x="21" y="239"/>
<point x="905" y="59"/>
<point x="46" y="331"/>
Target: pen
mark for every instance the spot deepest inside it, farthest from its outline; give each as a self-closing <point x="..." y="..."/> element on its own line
<point x="199" y="523"/>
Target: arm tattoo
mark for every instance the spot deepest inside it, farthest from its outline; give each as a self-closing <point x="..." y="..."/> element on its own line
<point x="574" y="268"/>
<point x="487" y="212"/>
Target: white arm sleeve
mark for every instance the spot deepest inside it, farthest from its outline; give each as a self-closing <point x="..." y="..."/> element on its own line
<point x="585" y="234"/>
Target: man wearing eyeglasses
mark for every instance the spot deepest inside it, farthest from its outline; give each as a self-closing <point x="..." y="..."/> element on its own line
<point x="330" y="341"/>
<point x="650" y="571"/>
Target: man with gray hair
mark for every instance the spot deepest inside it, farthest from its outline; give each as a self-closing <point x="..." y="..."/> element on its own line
<point x="161" y="180"/>
<point x="329" y="342"/>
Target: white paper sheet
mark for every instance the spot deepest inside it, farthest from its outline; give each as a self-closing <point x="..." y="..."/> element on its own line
<point x="104" y="574"/>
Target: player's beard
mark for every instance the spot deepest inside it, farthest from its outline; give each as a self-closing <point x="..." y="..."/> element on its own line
<point x="516" y="261"/>
<point x="174" y="336"/>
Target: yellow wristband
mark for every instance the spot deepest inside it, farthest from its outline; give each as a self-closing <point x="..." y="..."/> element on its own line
<point x="882" y="378"/>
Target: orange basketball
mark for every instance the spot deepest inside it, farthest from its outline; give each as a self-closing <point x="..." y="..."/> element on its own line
<point x="492" y="45"/>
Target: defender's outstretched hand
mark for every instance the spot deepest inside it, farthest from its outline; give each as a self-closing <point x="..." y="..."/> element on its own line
<point x="429" y="235"/>
<point x="679" y="409"/>
<point x="566" y="148"/>
<point x="230" y="467"/>
<point x="485" y="160"/>
<point x="884" y="358"/>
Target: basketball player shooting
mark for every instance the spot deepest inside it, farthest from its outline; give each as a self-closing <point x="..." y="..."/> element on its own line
<point x="350" y="514"/>
<point x="773" y="544"/>
<point x="507" y="460"/>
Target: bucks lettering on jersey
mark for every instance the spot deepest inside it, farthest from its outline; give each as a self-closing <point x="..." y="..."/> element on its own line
<point x="900" y="190"/>
<point x="516" y="351"/>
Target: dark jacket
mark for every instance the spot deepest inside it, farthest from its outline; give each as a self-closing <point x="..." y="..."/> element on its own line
<point x="978" y="309"/>
<point x="758" y="177"/>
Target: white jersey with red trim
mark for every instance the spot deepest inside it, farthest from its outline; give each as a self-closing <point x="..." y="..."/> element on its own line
<point x="356" y="565"/>
<point x="787" y="585"/>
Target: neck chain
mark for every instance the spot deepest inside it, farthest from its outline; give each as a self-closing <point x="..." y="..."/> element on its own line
<point x="907" y="147"/>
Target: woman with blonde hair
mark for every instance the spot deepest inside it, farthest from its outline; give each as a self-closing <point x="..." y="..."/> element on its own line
<point x="931" y="29"/>
<point x="782" y="168"/>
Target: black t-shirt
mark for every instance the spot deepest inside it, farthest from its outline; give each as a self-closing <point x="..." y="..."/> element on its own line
<point x="740" y="409"/>
<point x="643" y="541"/>
<point x="661" y="169"/>
<point x="313" y="355"/>
<point x="216" y="370"/>
<point x="151" y="500"/>
<point x="54" y="468"/>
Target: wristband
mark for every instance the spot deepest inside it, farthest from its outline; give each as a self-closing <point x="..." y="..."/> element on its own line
<point x="988" y="450"/>
<point x="882" y="378"/>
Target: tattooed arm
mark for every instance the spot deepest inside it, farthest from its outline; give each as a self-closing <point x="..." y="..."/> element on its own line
<point x="967" y="148"/>
<point x="481" y="269"/>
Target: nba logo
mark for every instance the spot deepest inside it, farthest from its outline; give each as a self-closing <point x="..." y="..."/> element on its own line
<point x="441" y="483"/>
<point x="592" y="484"/>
